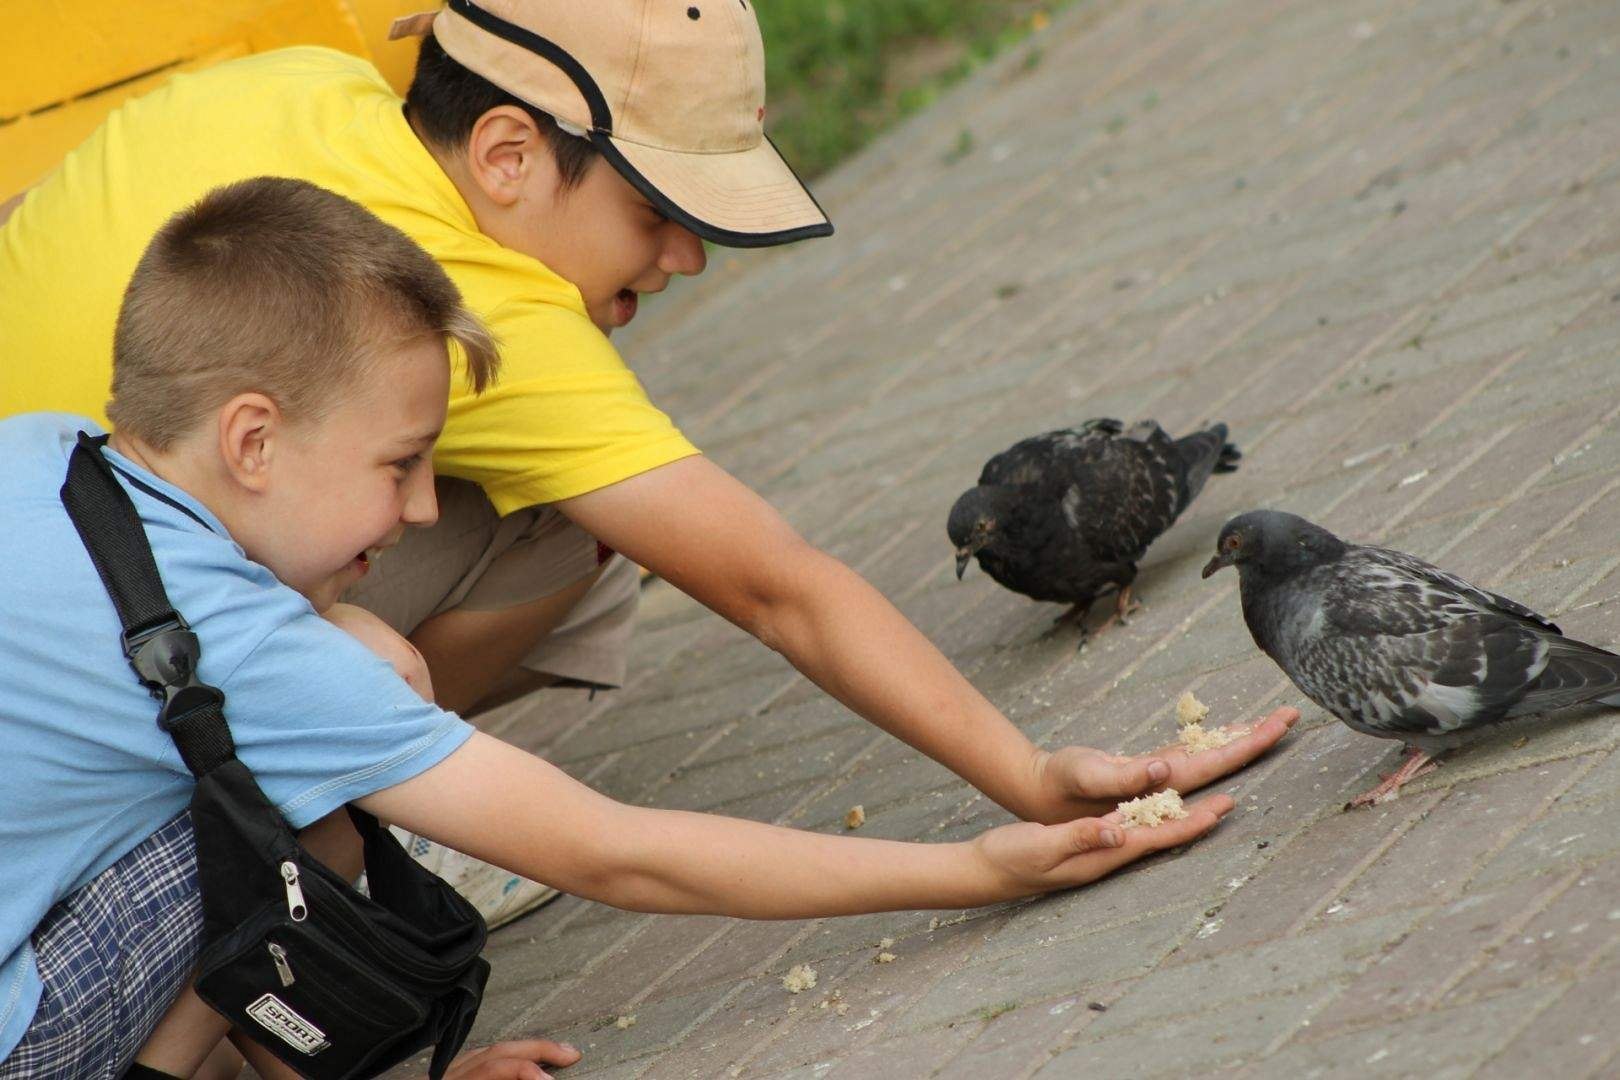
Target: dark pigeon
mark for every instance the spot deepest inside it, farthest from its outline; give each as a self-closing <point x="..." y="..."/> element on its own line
<point x="1398" y="648"/>
<point x="1065" y="516"/>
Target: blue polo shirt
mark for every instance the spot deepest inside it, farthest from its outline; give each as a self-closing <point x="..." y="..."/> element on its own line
<point x="86" y="773"/>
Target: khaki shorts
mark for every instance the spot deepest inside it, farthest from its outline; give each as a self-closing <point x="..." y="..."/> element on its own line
<point x="473" y="560"/>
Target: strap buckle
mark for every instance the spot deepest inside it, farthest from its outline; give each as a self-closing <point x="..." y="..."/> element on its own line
<point x="163" y="655"/>
<point x="165" y="660"/>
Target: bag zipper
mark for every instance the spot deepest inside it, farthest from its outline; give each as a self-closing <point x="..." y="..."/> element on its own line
<point x="283" y="968"/>
<point x="382" y="950"/>
<point x="295" y="893"/>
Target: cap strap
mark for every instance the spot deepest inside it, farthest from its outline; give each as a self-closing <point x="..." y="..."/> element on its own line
<point x="416" y="25"/>
<point x="601" y="115"/>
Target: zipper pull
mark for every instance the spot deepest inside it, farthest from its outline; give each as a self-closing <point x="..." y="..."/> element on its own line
<point x="284" y="969"/>
<point x="295" y="895"/>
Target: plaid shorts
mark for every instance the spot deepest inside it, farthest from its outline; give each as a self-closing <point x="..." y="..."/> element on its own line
<point x="113" y="956"/>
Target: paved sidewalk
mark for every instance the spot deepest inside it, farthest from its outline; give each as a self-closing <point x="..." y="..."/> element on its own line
<point x="1381" y="240"/>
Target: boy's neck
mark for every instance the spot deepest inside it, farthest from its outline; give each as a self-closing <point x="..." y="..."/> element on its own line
<point x="454" y="167"/>
<point x="174" y="467"/>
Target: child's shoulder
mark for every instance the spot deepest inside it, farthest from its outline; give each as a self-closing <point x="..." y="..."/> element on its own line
<point x="302" y="62"/>
<point x="35" y="448"/>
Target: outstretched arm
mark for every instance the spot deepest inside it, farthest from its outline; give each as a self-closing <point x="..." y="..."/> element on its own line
<point x="696" y="526"/>
<point x="506" y="806"/>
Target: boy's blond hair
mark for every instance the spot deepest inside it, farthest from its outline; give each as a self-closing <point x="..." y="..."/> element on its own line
<point x="281" y="287"/>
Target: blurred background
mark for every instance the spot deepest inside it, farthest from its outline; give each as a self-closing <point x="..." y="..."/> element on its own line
<point x="838" y="71"/>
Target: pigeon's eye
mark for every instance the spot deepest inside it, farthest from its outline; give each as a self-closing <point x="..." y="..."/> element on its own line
<point x="1231" y="543"/>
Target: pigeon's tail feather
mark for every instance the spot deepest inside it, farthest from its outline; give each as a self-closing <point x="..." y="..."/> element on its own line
<point x="1575" y="673"/>
<point x="1202" y="453"/>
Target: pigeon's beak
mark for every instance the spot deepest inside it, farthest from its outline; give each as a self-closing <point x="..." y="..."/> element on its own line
<point x="1215" y="564"/>
<point x="963" y="554"/>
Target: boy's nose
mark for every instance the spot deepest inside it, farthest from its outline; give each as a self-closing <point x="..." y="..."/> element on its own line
<point x="421" y="500"/>
<point x="683" y="252"/>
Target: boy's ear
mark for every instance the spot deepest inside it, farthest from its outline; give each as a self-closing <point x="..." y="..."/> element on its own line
<point x="250" y="426"/>
<point x="506" y="153"/>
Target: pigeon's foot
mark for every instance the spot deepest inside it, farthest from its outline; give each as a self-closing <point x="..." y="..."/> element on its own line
<point x="1418" y="763"/>
<point x="1074" y="616"/>
<point x="1124" y="607"/>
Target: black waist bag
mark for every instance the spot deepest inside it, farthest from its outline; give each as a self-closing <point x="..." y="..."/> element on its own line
<point x="334" y="983"/>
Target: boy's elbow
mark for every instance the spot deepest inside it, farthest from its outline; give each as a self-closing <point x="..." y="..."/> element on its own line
<point x="776" y="608"/>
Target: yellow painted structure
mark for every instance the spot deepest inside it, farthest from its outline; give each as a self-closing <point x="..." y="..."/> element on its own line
<point x="64" y="64"/>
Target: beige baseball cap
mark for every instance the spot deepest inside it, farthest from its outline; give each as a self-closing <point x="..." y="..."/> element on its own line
<point x="672" y="92"/>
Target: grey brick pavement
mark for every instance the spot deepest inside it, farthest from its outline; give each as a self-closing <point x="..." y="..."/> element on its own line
<point x="1379" y="238"/>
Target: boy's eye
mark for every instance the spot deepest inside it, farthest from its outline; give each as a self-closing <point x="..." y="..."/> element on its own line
<point x="407" y="464"/>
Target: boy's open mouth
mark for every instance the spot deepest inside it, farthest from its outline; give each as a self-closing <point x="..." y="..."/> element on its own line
<point x="362" y="561"/>
<point x="624" y="306"/>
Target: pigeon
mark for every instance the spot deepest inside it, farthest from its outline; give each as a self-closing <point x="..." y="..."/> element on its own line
<point x="1065" y="516"/>
<point x="1397" y="648"/>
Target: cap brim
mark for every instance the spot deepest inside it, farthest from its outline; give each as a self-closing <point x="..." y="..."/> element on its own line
<point x="751" y="198"/>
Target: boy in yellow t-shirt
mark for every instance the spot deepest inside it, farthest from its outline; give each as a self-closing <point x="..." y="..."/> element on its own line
<point x="557" y="160"/>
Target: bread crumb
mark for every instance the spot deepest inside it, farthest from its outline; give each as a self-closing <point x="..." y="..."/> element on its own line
<point x="1196" y="738"/>
<point x="933" y="924"/>
<point x="800" y="977"/>
<point x="841" y="1009"/>
<point x="856" y="817"/>
<point x="886" y="943"/>
<point x="625" y="1022"/>
<point x="1189" y="710"/>
<point x="1155" y="809"/>
<point x="884" y="958"/>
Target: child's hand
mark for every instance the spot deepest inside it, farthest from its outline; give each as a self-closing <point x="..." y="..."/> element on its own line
<point x="386" y="642"/>
<point x="1026" y="858"/>
<point x="1078" y="782"/>
<point x="512" y="1061"/>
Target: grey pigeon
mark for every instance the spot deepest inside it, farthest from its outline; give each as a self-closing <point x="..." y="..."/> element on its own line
<point x="1398" y="648"/>
<point x="1065" y="516"/>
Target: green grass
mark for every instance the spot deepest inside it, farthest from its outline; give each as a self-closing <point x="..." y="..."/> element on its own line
<point x="840" y="71"/>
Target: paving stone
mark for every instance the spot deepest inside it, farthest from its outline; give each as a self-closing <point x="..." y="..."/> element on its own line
<point x="1048" y="973"/>
<point x="1560" y="841"/>
<point x="1437" y="951"/>
<point x="1332" y="954"/>
<point x="1443" y="1043"/>
<point x="1577" y="929"/>
<point x="1573" y="1035"/>
<point x="1439" y="853"/>
<point x="1186" y="1046"/>
<point x="897" y="1058"/>
<point x="1012" y="1041"/>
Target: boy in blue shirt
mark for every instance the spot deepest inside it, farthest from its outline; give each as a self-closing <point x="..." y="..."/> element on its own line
<point x="280" y="378"/>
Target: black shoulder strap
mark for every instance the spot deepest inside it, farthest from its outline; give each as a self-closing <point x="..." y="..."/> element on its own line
<point x="157" y="641"/>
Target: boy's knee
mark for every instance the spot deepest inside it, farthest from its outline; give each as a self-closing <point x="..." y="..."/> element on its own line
<point x="386" y="642"/>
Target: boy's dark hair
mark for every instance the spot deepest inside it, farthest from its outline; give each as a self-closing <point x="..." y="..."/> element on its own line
<point x="446" y="100"/>
<point x="280" y="287"/>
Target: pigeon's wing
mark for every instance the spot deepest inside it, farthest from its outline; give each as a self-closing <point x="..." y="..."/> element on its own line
<point x="1125" y="495"/>
<point x="1047" y="459"/>
<point x="1401" y="654"/>
<point x="1483" y="599"/>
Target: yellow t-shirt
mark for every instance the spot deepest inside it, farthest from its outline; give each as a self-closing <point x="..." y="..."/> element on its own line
<point x="566" y="417"/>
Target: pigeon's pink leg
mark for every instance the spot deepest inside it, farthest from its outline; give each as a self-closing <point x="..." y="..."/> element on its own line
<point x="1123" y="606"/>
<point x="1418" y="763"/>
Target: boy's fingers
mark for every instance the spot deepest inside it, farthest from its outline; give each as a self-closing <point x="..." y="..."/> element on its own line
<point x="1140" y="840"/>
<point x="1202" y="816"/>
<point x="1091" y="834"/>
<point x="1105" y="776"/>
